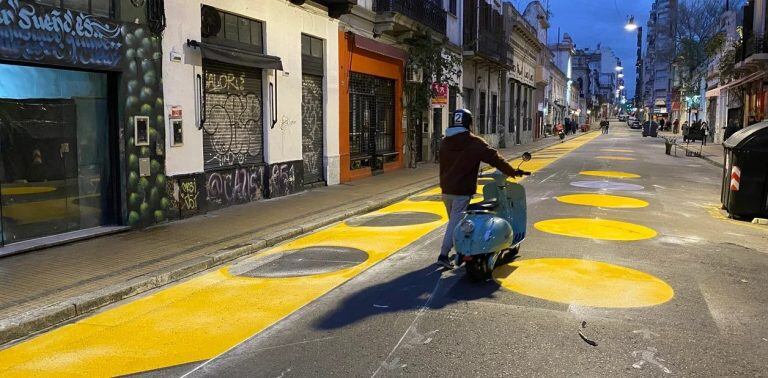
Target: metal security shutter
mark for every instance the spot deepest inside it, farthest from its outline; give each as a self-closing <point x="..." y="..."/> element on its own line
<point x="232" y="128"/>
<point x="312" y="127"/>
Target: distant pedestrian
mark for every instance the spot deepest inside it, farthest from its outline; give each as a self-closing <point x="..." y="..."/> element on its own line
<point x="705" y="131"/>
<point x="676" y="126"/>
<point x="686" y="130"/>
<point x="661" y="124"/>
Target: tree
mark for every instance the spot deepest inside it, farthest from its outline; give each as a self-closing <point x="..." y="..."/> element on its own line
<point x="436" y="65"/>
<point x="696" y="30"/>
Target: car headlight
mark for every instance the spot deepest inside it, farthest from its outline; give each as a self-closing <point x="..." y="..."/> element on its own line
<point x="467" y="226"/>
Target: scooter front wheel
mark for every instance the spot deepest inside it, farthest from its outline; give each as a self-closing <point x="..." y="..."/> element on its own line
<point x="478" y="270"/>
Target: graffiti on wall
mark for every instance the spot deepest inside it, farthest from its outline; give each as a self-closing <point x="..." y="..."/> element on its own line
<point x="312" y="127"/>
<point x="184" y="195"/>
<point x="234" y="186"/>
<point x="284" y="179"/>
<point x="233" y="130"/>
<point x="52" y="35"/>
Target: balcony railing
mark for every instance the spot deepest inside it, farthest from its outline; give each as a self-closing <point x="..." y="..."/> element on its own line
<point x="755" y="45"/>
<point x="428" y="12"/>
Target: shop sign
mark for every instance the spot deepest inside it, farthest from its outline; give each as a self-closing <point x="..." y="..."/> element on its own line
<point x="523" y="72"/>
<point x="440" y="93"/>
<point x="31" y="32"/>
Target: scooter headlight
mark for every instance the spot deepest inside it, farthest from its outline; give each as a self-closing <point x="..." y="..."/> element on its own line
<point x="467" y="226"/>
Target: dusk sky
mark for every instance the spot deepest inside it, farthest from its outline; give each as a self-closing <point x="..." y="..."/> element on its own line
<point x="590" y="22"/>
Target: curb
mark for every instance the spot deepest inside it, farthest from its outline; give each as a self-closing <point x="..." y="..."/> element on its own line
<point x="43" y="319"/>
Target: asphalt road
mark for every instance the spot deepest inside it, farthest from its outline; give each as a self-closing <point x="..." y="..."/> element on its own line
<point x="689" y="299"/>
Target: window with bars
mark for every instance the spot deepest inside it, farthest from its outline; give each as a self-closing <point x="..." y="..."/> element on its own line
<point x="494" y="112"/>
<point x="372" y="118"/>
<point x="103" y="8"/>
<point x="481" y="114"/>
<point x="453" y="7"/>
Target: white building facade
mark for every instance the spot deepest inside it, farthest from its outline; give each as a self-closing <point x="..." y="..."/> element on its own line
<point x="251" y="100"/>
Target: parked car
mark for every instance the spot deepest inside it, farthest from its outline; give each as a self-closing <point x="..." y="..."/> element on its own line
<point x="635" y="125"/>
<point x="630" y="120"/>
<point x="623" y="117"/>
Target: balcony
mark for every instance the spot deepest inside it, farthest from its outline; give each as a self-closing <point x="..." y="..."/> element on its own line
<point x="336" y="8"/>
<point x="755" y="51"/>
<point x="484" y="34"/>
<point x="398" y="16"/>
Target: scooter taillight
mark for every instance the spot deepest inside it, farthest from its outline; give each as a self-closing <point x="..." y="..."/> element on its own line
<point x="466" y="258"/>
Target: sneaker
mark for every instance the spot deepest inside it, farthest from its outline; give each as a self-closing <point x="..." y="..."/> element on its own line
<point x="445" y="262"/>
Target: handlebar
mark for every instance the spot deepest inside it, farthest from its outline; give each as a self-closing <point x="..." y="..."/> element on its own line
<point x="520" y="173"/>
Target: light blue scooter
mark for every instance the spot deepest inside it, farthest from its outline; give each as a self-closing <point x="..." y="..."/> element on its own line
<point x="493" y="226"/>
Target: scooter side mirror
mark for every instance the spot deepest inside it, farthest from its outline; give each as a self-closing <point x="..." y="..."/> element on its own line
<point x="526" y="156"/>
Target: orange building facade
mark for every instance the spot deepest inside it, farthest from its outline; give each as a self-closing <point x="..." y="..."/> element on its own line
<point x="371" y="133"/>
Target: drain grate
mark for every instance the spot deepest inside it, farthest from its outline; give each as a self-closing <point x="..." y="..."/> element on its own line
<point x="308" y="261"/>
<point x="405" y="218"/>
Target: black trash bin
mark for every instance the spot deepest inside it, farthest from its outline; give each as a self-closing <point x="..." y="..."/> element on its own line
<point x="745" y="172"/>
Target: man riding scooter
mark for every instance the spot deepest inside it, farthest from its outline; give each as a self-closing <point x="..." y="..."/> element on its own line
<point x="461" y="152"/>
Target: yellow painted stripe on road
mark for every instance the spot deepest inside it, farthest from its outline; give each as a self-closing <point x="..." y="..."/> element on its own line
<point x="205" y="316"/>
<point x="603" y="229"/>
<point x="603" y="200"/>
<point x="583" y="282"/>
<point x="612" y="174"/>
<point x="617" y="150"/>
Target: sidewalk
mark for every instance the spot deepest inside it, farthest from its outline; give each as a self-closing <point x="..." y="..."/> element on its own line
<point x="50" y="286"/>
<point x="712" y="152"/>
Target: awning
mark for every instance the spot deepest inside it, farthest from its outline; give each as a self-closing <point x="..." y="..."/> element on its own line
<point x="746" y="79"/>
<point x="237" y="56"/>
<point x="713" y="93"/>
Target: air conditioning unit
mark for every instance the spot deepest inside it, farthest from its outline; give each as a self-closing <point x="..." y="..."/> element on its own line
<point x="414" y="75"/>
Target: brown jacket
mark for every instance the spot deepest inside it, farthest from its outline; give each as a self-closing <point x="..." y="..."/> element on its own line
<point x="460" y="157"/>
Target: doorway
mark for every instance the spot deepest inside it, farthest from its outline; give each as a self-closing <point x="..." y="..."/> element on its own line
<point x="56" y="173"/>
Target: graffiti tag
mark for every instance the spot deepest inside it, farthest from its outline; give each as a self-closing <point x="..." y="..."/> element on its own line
<point x="38" y="33"/>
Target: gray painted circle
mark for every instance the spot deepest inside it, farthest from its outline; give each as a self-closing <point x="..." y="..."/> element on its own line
<point x="606" y="185"/>
<point x="307" y="262"/>
<point x="403" y="218"/>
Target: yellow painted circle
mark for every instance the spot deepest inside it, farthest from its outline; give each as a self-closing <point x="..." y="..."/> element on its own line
<point x="21" y="190"/>
<point x="624" y="158"/>
<point x="603" y="229"/>
<point x="583" y="282"/>
<point x="612" y="174"/>
<point x="603" y="200"/>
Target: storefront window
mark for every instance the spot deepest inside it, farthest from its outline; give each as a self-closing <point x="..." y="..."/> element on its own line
<point x="54" y="140"/>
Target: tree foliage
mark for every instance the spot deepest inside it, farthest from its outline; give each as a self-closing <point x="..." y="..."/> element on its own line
<point x="696" y="39"/>
<point x="431" y="58"/>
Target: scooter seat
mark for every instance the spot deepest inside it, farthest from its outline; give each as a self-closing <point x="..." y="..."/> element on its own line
<point x="483" y="206"/>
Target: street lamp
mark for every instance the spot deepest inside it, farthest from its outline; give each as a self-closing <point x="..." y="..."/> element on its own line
<point x="621" y="75"/>
<point x="631" y="25"/>
<point x="619" y="68"/>
<point x="621" y="87"/>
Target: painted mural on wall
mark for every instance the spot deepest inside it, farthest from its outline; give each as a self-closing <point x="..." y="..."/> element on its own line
<point x="142" y="88"/>
<point x="51" y="36"/>
<point x="41" y="34"/>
